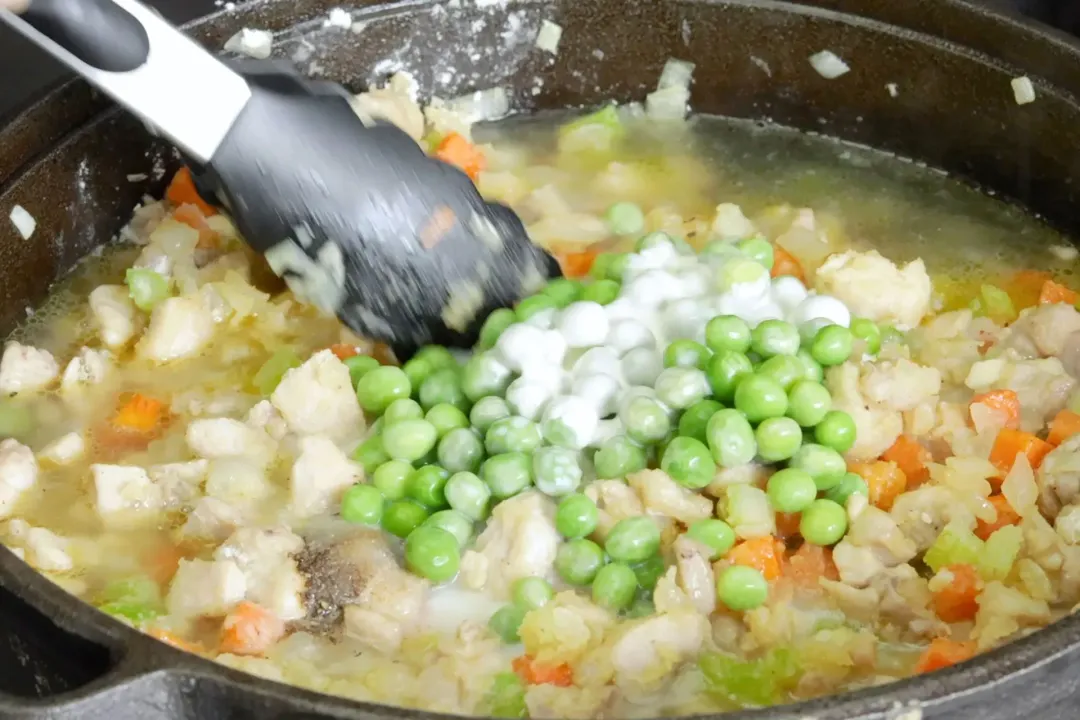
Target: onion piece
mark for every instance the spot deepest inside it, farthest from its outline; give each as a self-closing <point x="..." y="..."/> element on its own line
<point x="893" y="88"/>
<point x="549" y="36"/>
<point x="676" y="73"/>
<point x="482" y="105"/>
<point x="253" y="43"/>
<point x="1023" y="90"/>
<point x="671" y="100"/>
<point x="828" y="65"/>
<point x="338" y="18"/>
<point x="23" y="221"/>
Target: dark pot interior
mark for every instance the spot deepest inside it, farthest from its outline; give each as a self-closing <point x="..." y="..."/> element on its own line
<point x="66" y="159"/>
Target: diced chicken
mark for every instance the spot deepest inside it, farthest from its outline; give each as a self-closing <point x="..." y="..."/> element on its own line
<point x="320" y="475"/>
<point x="64" y="450"/>
<point x="117" y="318"/>
<point x="1058" y="477"/>
<point x="615" y="501"/>
<point x="211" y="520"/>
<point x="749" y="474"/>
<point x="42" y="549"/>
<point x="857" y="566"/>
<point x="1067" y="524"/>
<point x="474" y="568"/>
<point x="551" y="702"/>
<point x="900" y="384"/>
<point x="372" y="630"/>
<point x="695" y="574"/>
<point x="1042" y="385"/>
<point x="26" y="369"/>
<point x="905" y="602"/>
<point x="875" y="531"/>
<point x="876" y="428"/>
<point x="922" y="514"/>
<point x="858" y="603"/>
<point x="951" y="341"/>
<point x="1004" y="611"/>
<point x="18" y="473"/>
<point x="729" y="223"/>
<point x="651" y="650"/>
<point x="180" y="327"/>
<point x="87" y="368"/>
<point x="873" y="287"/>
<point x="394" y="103"/>
<point x="663" y="496"/>
<point x="179" y="481"/>
<point x="238" y="481"/>
<point x="317" y="398"/>
<point x="270" y="573"/>
<point x="145" y="219"/>
<point x="125" y="489"/>
<point x="520" y="541"/>
<point x="224" y="437"/>
<point x="266" y="417"/>
<point x="1049" y="327"/>
<point x="203" y="588"/>
<point x="567" y="629"/>
<point x="669" y="597"/>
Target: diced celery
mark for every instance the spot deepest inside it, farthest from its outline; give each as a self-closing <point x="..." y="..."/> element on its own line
<point x="595" y="132"/>
<point x="505" y="698"/>
<point x="136" y="599"/>
<point x="269" y="375"/>
<point x="764" y="681"/>
<point x="15" y="419"/>
<point x="146" y="287"/>
<point x="954" y="546"/>
<point x="1000" y="552"/>
<point x="994" y="303"/>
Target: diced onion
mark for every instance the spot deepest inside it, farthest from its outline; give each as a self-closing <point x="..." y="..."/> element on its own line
<point x="253" y="43"/>
<point x="676" y="73"/>
<point x="893" y="88"/>
<point x="1064" y="252"/>
<point x="828" y="65"/>
<point x="671" y="101"/>
<point x="482" y="105"/>
<point x="1023" y="90"/>
<point x="549" y="36"/>
<point x="137" y="177"/>
<point x="1019" y="486"/>
<point x="23" y="221"/>
<point x="338" y="18"/>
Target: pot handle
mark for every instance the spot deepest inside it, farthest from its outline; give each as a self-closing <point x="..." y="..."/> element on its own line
<point x="134" y="55"/>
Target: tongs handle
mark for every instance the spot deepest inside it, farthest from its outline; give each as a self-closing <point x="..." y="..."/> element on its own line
<point x="134" y="55"/>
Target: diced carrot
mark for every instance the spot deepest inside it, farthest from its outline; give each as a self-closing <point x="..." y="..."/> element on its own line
<point x="344" y="351"/>
<point x="1009" y="443"/>
<point x="250" y="629"/>
<point x="139" y="413"/>
<point x="1064" y="425"/>
<point x="809" y="564"/>
<point x="762" y="554"/>
<point x="784" y="263"/>
<point x="942" y="653"/>
<point x="884" y="480"/>
<point x="181" y="191"/>
<point x="163" y="561"/>
<point x="1005" y="516"/>
<point x="912" y="459"/>
<point x="193" y="217"/>
<point x="1024" y="287"/>
<point x="1053" y="292"/>
<point x="956" y="601"/>
<point x="171" y="638"/>
<point x="1004" y="403"/>
<point x="787" y="524"/>
<point x="533" y="673"/>
<point x="459" y="152"/>
<point x="576" y="264"/>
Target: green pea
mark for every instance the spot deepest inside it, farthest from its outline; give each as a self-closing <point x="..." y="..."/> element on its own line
<point x="813" y="370"/>
<point x="760" y="398"/>
<point x="409" y="440"/>
<point x="867" y="332"/>
<point x="382" y="386"/>
<point x="726" y="371"/>
<point x="614" y="586"/>
<point x="633" y="539"/>
<point x="506" y="621"/>
<point x="645" y="420"/>
<point x="556" y="471"/>
<point x="454" y="523"/>
<point x="825" y="465"/>
<point x="361" y="365"/>
<point x="777" y="439"/>
<point x="641" y="607"/>
<point x="849" y="485"/>
<point x="417" y="370"/>
<point x="426" y="484"/>
<point x="483" y="376"/>
<point x="578" y="561"/>
<point x="695" y="420"/>
<point x="432" y="553"/>
<point x="686" y="353"/>
<point x="731" y="439"/>
<point x="625" y="218"/>
<point x="681" y="387"/>
<point x="728" y="333"/>
<point x="649" y="571"/>
<point x="512" y="434"/>
<point x="601" y="292"/>
<point x="468" y="494"/>
<point x="741" y="588"/>
<point x="824" y="522"/>
<point x="507" y="474"/>
<point x="688" y="462"/>
<point x="362" y="505"/>
<point x="808" y="403"/>
<point x="714" y="534"/>
<point x="774" y="337"/>
<point x="437" y="356"/>
<point x="530" y="593"/>
<point x="402" y="409"/>
<point x="576" y="516"/>
<point x="563" y="291"/>
<point x="609" y="265"/>
<point x="832" y="345"/>
<point x="401" y="517"/>
<point x="836" y="430"/>
<point x="486" y="411"/>
<point x="390" y="478"/>
<point x="809" y="330"/>
<point x="371" y="453"/>
<point x="494" y="326"/>
<point x="445" y="417"/>
<point x="652" y="240"/>
<point x="758" y="249"/>
<point x="532" y="305"/>
<point x="617" y="457"/>
<point x="443" y="386"/>
<point x="786" y="370"/>
<point x="460" y="450"/>
<point x="791" y="490"/>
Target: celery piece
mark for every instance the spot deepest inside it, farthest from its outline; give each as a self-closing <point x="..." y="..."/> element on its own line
<point x="764" y="681"/>
<point x="505" y="698"/>
<point x="994" y="303"/>
<point x="955" y="545"/>
<point x="269" y="375"/>
<point x="15" y="419"/>
<point x="146" y="287"/>
<point x="136" y="599"/>
<point x="1000" y="552"/>
<point x="596" y="132"/>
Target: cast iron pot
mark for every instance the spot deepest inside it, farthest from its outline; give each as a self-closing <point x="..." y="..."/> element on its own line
<point x="67" y="160"/>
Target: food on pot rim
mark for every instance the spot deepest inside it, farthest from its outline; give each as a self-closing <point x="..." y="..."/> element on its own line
<point x="771" y="437"/>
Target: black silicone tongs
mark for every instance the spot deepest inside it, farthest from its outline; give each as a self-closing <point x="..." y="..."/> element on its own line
<point x="356" y="218"/>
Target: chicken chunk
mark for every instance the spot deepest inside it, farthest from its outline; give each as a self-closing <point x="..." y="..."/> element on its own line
<point x="41" y="548"/>
<point x="211" y="520"/>
<point x="900" y="384"/>
<point x="266" y="417"/>
<point x="224" y="437"/>
<point x="1042" y="385"/>
<point x="552" y="702"/>
<point x="205" y="588"/>
<point x="238" y="481"/>
<point x="663" y="496"/>
<point x="615" y="501"/>
<point x="125" y="490"/>
<point x="64" y="450"/>
<point x="26" y="369"/>
<point x="695" y="574"/>
<point x="320" y="475"/>
<point x="179" y="481"/>
<point x="1058" y="477"/>
<point x="873" y="287"/>
<point x="922" y="514"/>
<point x="395" y="103"/>
<point x="1004" y="611"/>
<point x="905" y="602"/>
<point x="655" y="647"/>
<point x="180" y="327"/>
<point x="317" y="398"/>
<point x="857" y="566"/>
<point x="270" y="573"/>
<point x="1049" y="326"/>
<point x="18" y="473"/>
<point x="520" y="541"/>
<point x="87" y="368"/>
<point x="117" y="318"/>
<point x="876" y="428"/>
